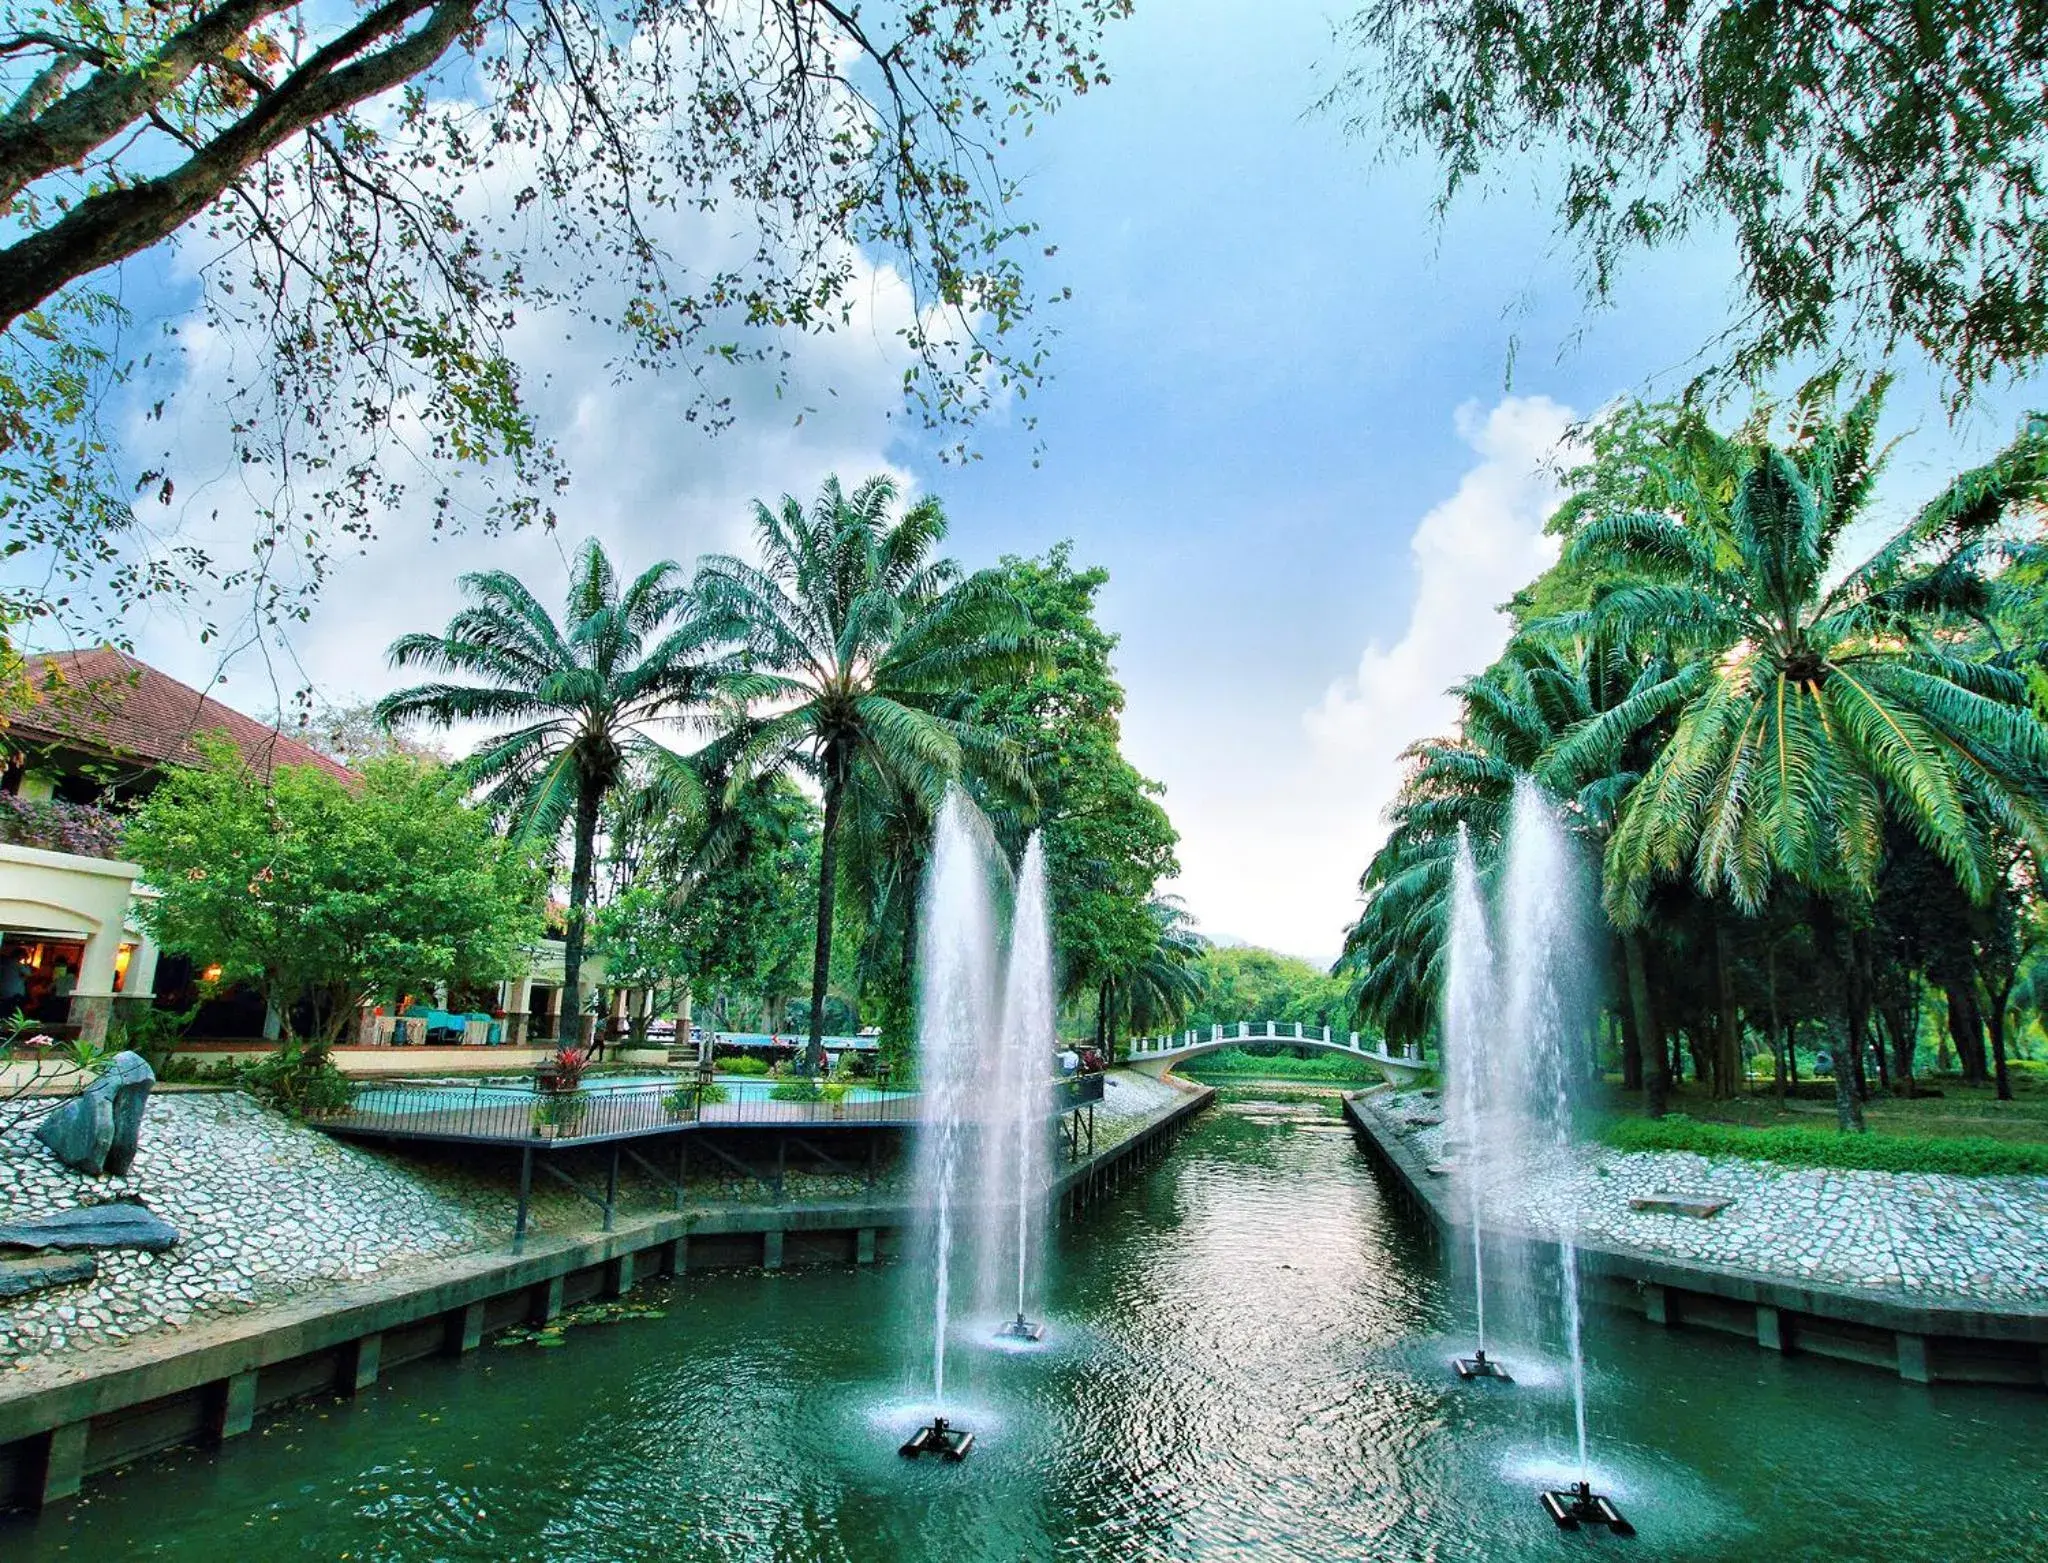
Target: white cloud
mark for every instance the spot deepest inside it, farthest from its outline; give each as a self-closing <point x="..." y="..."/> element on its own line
<point x="1275" y="836"/>
<point x="1471" y="553"/>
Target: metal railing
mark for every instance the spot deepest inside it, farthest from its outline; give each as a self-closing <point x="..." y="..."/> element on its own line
<point x="1284" y="1031"/>
<point x="504" y="1112"/>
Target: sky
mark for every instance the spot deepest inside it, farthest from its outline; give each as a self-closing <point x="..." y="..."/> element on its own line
<point x="1303" y="424"/>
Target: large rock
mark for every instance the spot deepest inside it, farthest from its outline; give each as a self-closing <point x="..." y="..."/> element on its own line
<point x="20" y="1277"/>
<point x="96" y="1132"/>
<point x="122" y="1223"/>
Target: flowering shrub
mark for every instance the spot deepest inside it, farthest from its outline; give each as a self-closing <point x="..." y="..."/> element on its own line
<point x="81" y="828"/>
<point x="564" y="1072"/>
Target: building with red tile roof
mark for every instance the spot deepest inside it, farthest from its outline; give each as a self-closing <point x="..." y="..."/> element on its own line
<point x="130" y="720"/>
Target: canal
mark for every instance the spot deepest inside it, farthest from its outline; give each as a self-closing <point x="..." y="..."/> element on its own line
<point x="1249" y="1362"/>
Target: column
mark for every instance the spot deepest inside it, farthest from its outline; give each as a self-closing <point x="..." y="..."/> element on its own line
<point x="92" y="999"/>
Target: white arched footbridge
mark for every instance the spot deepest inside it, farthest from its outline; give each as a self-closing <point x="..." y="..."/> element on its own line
<point x="1155" y="1055"/>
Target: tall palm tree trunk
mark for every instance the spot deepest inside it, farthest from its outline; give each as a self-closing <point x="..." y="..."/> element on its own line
<point x="582" y="870"/>
<point x="828" y="884"/>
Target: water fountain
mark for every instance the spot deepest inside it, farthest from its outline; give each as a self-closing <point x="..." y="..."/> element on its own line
<point x="983" y="1159"/>
<point x="1021" y="1102"/>
<point x="1513" y="1023"/>
<point x="956" y="968"/>
<point x="1469" y="1009"/>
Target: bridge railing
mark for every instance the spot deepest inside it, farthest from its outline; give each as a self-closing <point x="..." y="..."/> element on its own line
<point x="1232" y="1032"/>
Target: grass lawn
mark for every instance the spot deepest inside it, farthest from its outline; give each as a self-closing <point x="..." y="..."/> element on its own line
<point x="1963" y="1129"/>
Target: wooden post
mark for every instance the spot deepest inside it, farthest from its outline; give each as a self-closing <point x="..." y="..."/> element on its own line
<point x="1770" y="1328"/>
<point x="547" y="1301"/>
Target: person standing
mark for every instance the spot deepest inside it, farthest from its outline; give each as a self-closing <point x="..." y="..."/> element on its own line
<point x="14" y="974"/>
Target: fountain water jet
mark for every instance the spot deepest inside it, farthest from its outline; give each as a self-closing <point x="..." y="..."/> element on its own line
<point x="1021" y="1103"/>
<point x="1514" y="1022"/>
<point x="956" y="968"/>
<point x="1469" y="1009"/>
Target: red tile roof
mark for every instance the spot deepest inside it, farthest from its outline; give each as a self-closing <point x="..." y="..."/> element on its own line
<point x="131" y="711"/>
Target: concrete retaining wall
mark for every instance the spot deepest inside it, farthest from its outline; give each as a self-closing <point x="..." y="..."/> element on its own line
<point x="61" y="1423"/>
<point x="1923" y="1342"/>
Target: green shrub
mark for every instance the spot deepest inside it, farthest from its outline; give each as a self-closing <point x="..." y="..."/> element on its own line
<point x="301" y="1081"/>
<point x="154" y="1033"/>
<point x="835" y="1090"/>
<point x="1237" y="1061"/>
<point x="799" y="1088"/>
<point x="563" y="1109"/>
<point x="742" y="1066"/>
<point x="1969" y="1155"/>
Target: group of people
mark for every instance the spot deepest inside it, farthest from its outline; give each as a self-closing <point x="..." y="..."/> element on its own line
<point x="26" y="990"/>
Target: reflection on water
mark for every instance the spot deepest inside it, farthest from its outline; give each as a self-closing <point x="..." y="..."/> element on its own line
<point x="1249" y="1361"/>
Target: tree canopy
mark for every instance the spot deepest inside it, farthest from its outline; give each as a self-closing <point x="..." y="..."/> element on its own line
<point x="326" y="895"/>
<point x="1879" y="163"/>
<point x="377" y="196"/>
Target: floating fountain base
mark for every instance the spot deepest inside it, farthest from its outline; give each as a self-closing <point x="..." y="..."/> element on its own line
<point x="1021" y="1328"/>
<point x="1479" y="1365"/>
<point x="940" y="1438"/>
<point x="1578" y="1505"/>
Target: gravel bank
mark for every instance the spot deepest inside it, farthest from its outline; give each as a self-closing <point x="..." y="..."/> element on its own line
<point x="1924" y="1236"/>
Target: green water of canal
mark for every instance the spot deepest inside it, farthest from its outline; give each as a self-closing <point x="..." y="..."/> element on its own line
<point x="1249" y="1361"/>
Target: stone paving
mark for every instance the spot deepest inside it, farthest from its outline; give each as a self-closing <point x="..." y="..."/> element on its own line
<point x="1925" y="1236"/>
<point x="1130" y="1101"/>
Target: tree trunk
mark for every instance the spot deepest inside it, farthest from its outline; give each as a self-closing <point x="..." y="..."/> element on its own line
<point x="1966" y="1028"/>
<point x="1656" y="1081"/>
<point x="1631" y="1051"/>
<point x="828" y="884"/>
<point x="1994" y="1021"/>
<point x="1727" y="1020"/>
<point x="569" y="1023"/>
<point x="1848" y="1110"/>
<point x="1792" y="1051"/>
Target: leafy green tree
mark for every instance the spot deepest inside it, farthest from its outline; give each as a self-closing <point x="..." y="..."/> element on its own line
<point x="1247" y="983"/>
<point x="748" y="895"/>
<point x="580" y="696"/>
<point x="336" y="164"/>
<point x="325" y="895"/>
<point x="860" y="642"/>
<point x="1108" y="841"/>
<point x="1879" y="163"/>
<point x="1155" y="991"/>
<point x="644" y="945"/>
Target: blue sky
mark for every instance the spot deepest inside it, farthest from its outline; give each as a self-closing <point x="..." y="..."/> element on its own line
<point x="1281" y="414"/>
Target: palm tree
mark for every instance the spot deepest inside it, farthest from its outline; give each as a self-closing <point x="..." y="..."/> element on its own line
<point x="580" y="695"/>
<point x="1517" y="718"/>
<point x="1813" y="707"/>
<point x="862" y="642"/>
<point x="1155" y="992"/>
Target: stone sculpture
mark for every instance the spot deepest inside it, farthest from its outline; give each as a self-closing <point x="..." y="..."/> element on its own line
<point x="95" y="1133"/>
